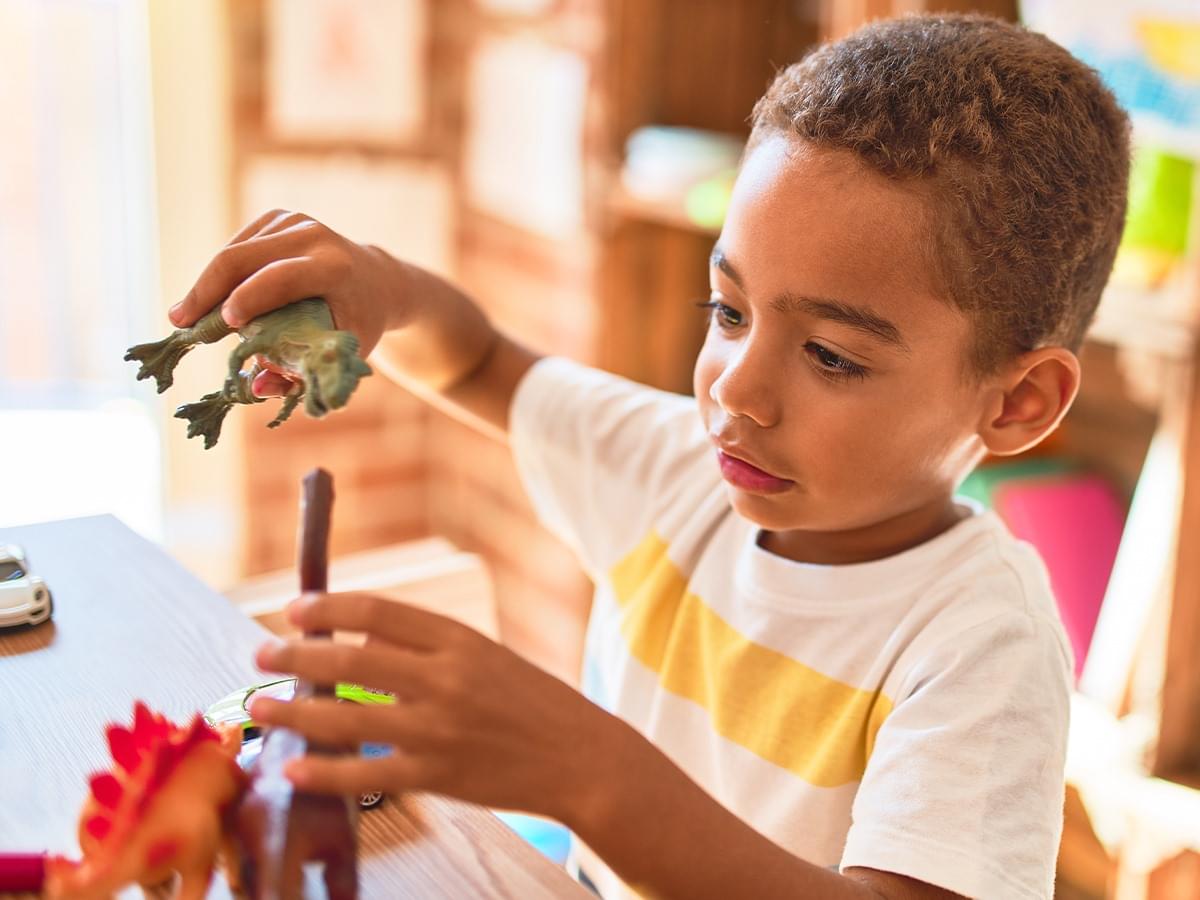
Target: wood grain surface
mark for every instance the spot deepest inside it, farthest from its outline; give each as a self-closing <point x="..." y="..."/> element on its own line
<point x="129" y="622"/>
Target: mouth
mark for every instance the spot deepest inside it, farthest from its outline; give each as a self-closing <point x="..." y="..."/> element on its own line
<point x="746" y="476"/>
<point x="316" y="401"/>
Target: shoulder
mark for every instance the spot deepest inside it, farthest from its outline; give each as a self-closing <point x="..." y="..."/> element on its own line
<point x="991" y="602"/>
<point x="555" y="383"/>
<point x="607" y="462"/>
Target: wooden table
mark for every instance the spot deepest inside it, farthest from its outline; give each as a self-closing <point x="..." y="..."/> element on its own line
<point x="130" y="622"/>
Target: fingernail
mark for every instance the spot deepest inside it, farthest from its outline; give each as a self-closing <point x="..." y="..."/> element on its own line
<point x="259" y="709"/>
<point x="293" y="770"/>
<point x="267" y="655"/>
<point x="232" y="320"/>
<point x="174" y="313"/>
<point x="297" y="609"/>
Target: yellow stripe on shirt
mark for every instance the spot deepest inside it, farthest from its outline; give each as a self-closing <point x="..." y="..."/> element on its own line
<point x="817" y="727"/>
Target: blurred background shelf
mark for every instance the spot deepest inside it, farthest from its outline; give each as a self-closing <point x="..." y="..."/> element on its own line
<point x="670" y="214"/>
<point x="1155" y="322"/>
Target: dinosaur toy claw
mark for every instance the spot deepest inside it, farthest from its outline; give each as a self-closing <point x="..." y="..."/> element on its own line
<point x="158" y="359"/>
<point x="205" y="416"/>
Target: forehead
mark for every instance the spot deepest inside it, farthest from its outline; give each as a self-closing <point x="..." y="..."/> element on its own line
<point x="813" y="221"/>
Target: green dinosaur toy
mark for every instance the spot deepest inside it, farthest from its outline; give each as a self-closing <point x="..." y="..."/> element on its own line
<point x="297" y="340"/>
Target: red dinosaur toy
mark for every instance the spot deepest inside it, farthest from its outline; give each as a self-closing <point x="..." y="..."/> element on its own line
<point x="166" y="806"/>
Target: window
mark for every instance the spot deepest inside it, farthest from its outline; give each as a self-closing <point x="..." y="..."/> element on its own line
<point x="76" y="262"/>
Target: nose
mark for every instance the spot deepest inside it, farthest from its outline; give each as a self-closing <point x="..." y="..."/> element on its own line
<point x="748" y="385"/>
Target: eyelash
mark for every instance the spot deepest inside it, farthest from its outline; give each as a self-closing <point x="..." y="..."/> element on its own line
<point x="829" y="364"/>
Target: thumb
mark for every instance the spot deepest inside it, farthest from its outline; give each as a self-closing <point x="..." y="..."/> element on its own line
<point x="270" y="384"/>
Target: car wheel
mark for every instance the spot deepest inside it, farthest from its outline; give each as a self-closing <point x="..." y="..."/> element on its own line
<point x="370" y="799"/>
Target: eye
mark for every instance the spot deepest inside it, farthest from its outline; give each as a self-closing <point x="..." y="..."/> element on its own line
<point x="833" y="366"/>
<point x="725" y="316"/>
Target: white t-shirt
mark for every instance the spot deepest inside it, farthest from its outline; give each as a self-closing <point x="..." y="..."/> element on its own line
<point x="907" y="714"/>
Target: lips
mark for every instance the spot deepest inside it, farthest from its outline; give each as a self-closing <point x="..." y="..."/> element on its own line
<point x="749" y="477"/>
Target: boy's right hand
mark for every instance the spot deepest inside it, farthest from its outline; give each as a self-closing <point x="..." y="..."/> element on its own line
<point x="285" y="256"/>
<point x="440" y="341"/>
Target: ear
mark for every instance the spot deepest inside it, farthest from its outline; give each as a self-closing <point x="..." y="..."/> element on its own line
<point x="1029" y="399"/>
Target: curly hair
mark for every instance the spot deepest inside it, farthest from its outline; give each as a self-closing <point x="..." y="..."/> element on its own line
<point x="1022" y="153"/>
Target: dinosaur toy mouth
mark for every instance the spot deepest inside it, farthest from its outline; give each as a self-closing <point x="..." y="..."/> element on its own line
<point x="316" y="401"/>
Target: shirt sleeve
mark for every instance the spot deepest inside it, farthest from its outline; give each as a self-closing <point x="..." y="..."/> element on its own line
<point x="964" y="787"/>
<point x="602" y="457"/>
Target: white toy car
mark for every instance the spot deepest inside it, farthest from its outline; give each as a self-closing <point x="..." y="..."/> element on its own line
<point x="24" y="598"/>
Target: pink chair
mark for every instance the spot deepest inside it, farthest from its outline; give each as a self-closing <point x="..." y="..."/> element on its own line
<point x="1075" y="522"/>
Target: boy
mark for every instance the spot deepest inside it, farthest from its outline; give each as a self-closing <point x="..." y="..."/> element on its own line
<point x="815" y="672"/>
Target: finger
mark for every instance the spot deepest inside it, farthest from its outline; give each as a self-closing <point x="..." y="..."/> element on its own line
<point x="181" y="314"/>
<point x="325" y="720"/>
<point x="335" y="723"/>
<point x="379" y="667"/>
<point x="232" y="265"/>
<point x="274" y="285"/>
<point x="263" y="222"/>
<point x="393" y="621"/>
<point x="270" y="384"/>
<point x="289" y="221"/>
<point x="355" y="775"/>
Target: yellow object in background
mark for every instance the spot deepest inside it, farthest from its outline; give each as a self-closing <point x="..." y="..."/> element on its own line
<point x="1173" y="45"/>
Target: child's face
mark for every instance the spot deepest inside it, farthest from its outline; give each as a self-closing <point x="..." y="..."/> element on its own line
<point x="830" y="365"/>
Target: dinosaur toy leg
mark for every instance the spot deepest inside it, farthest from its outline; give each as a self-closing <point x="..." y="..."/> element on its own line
<point x="235" y="382"/>
<point x="205" y="416"/>
<point x="193" y="883"/>
<point x="290" y="401"/>
<point x="159" y="358"/>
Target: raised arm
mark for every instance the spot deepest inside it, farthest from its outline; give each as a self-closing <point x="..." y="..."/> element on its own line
<point x="425" y="333"/>
<point x="444" y="349"/>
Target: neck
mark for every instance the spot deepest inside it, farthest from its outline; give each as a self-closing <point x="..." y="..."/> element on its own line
<point x="871" y="542"/>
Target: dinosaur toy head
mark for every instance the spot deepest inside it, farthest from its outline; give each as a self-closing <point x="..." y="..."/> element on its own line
<point x="331" y="368"/>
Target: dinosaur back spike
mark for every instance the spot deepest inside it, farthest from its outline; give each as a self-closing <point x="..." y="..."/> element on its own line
<point x="98" y="825"/>
<point x="123" y="747"/>
<point x="143" y="721"/>
<point x="106" y="789"/>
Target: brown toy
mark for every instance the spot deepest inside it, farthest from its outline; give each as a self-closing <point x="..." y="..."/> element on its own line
<point x="280" y="829"/>
<point x="164" y="807"/>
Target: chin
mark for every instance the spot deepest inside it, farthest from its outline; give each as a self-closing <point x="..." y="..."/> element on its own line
<point x="773" y="512"/>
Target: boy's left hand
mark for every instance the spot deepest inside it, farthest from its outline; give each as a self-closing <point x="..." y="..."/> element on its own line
<point x="471" y="719"/>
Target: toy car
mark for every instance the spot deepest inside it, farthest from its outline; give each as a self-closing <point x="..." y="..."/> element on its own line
<point x="233" y="709"/>
<point x="24" y="597"/>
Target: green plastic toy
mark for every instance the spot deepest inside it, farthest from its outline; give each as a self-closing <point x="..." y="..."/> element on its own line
<point x="297" y="341"/>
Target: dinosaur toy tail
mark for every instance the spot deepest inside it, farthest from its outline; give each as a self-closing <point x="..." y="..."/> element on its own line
<point x="71" y="880"/>
<point x="159" y="358"/>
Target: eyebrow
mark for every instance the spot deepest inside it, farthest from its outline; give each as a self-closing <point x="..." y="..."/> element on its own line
<point x="855" y="317"/>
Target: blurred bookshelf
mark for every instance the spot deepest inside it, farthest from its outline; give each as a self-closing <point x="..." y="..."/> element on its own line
<point x="670" y="214"/>
<point x="1161" y="322"/>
